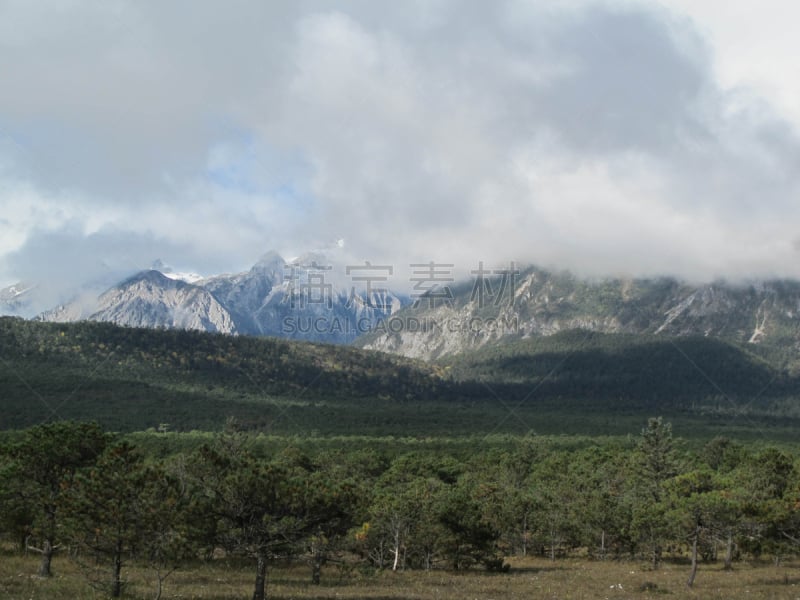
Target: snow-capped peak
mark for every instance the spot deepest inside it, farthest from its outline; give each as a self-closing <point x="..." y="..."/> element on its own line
<point x="169" y="272"/>
<point x="187" y="277"/>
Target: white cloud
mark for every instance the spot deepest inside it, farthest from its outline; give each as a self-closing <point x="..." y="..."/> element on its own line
<point x="756" y="46"/>
<point x="606" y="137"/>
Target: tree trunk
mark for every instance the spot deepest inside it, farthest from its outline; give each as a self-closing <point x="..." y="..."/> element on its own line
<point x="378" y="555"/>
<point x="525" y="535"/>
<point x="116" y="581"/>
<point x="656" y="551"/>
<point x="603" y="544"/>
<point x="656" y="555"/>
<point x="729" y="551"/>
<point x="317" y="558"/>
<point x="396" y="550"/>
<point x="316" y="570"/>
<point x="159" y="586"/>
<point x="260" y="590"/>
<point x="382" y="556"/>
<point x="693" y="572"/>
<point x="47" y="559"/>
<point x="161" y="577"/>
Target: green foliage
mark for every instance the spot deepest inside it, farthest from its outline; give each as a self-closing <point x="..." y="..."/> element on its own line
<point x="266" y="501"/>
<point x="263" y="508"/>
<point x="472" y="538"/>
<point x="722" y="454"/>
<point x="39" y="468"/>
<point x="171" y="381"/>
<point x="621" y="367"/>
<point x="654" y="465"/>
<point x="404" y="525"/>
<point x="656" y="461"/>
<point x="120" y="507"/>
<point x="128" y="378"/>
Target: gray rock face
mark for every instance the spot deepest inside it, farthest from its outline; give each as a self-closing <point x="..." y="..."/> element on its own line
<point x="276" y="299"/>
<point x="272" y="298"/>
<point x="540" y="303"/>
<point x="150" y="299"/>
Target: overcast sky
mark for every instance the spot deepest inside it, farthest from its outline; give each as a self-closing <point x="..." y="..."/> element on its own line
<point x="617" y="137"/>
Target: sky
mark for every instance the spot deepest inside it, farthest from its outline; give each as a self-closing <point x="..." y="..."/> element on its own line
<point x="635" y="138"/>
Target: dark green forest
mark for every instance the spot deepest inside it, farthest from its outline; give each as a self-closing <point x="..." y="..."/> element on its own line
<point x="574" y="382"/>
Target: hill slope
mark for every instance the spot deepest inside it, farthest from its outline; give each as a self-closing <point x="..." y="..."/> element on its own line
<point x="134" y="377"/>
<point x="616" y="370"/>
<point x="573" y="382"/>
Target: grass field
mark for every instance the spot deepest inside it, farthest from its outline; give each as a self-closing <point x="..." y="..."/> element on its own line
<point x="528" y="578"/>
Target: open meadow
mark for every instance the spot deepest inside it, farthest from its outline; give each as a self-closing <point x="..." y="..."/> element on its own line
<point x="528" y="578"/>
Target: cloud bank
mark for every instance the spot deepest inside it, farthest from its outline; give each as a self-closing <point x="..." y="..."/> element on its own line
<point x="603" y="137"/>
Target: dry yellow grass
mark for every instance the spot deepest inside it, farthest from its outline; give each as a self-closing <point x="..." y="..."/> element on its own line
<point x="529" y="578"/>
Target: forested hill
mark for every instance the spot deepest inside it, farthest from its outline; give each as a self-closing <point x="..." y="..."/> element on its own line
<point x="134" y="379"/>
<point x="618" y="371"/>
<point x="91" y="370"/>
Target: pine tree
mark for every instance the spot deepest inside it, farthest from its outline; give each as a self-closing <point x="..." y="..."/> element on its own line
<point x="123" y="507"/>
<point x="654" y="463"/>
<point x="40" y="467"/>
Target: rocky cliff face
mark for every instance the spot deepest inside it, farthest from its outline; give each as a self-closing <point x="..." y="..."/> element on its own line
<point x="293" y="301"/>
<point x="540" y="303"/>
<point x="150" y="299"/>
<point x="299" y="301"/>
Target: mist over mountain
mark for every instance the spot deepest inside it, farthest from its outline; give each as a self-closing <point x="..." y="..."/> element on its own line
<point x="16" y="299"/>
<point x="151" y="299"/>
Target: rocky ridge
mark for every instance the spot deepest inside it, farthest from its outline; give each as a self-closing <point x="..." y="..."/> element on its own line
<point x="542" y="303"/>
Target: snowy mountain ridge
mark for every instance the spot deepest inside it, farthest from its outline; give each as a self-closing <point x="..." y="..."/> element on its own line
<point x="305" y="299"/>
<point x="313" y="298"/>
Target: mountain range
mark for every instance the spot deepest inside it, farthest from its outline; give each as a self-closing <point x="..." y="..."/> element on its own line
<point x="762" y="316"/>
<point x="309" y="299"/>
<point x="303" y="299"/>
